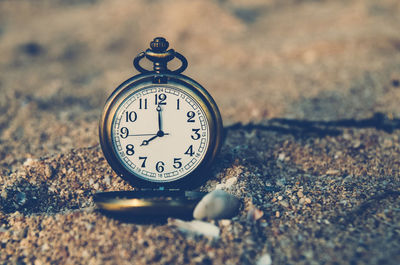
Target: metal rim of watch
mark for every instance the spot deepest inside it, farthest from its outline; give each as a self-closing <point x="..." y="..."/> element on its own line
<point x="182" y="82"/>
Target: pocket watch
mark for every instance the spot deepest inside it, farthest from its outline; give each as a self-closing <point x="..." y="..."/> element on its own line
<point x="160" y="131"/>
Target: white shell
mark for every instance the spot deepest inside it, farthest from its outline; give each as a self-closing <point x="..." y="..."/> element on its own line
<point x="265" y="260"/>
<point x="196" y="227"/>
<point x="217" y="204"/>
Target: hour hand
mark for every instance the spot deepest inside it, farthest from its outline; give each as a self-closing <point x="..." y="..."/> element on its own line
<point x="158" y="134"/>
<point x="146" y="142"/>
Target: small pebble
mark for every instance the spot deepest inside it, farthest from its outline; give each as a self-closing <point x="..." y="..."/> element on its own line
<point x="254" y="214"/>
<point x="300" y="194"/>
<point x="107" y="180"/>
<point x="264" y="260"/>
<point x="332" y="172"/>
<point x="21" y="198"/>
<point x="284" y="204"/>
<point x="217" y="204"/>
<point x="225" y="222"/>
<point x="45" y="247"/>
<point x="30" y="161"/>
<point x="38" y="262"/>
<point x="48" y="171"/>
<point x="4" y="194"/>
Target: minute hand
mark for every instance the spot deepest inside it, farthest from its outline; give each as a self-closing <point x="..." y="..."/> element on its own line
<point x="159" y="119"/>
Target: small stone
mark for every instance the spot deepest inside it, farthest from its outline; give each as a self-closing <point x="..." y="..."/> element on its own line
<point x="264" y="260"/>
<point x="281" y="157"/>
<point x="45" y="247"/>
<point x="217" y="204"/>
<point x="346" y="136"/>
<point x="280" y="198"/>
<point x="85" y="254"/>
<point x="338" y="154"/>
<point x="307" y="200"/>
<point x="4" y="194"/>
<point x="281" y="182"/>
<point x="284" y="204"/>
<point x="38" y="262"/>
<point x="30" y="161"/>
<point x="107" y="180"/>
<point x="196" y="227"/>
<point x="300" y="194"/>
<point x="48" y="171"/>
<point x="225" y="222"/>
<point x="272" y="188"/>
<point x="357" y="144"/>
<point x="308" y="254"/>
<point x="332" y="172"/>
<point x="277" y="214"/>
<point x="254" y="214"/>
<point x="20" y="198"/>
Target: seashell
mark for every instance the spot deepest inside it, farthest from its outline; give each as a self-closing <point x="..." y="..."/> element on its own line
<point x="196" y="227"/>
<point x="217" y="204"/>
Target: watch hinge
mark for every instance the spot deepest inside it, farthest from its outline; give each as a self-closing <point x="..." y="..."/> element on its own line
<point x="160" y="79"/>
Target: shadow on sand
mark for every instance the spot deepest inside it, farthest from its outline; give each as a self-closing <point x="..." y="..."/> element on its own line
<point x="306" y="128"/>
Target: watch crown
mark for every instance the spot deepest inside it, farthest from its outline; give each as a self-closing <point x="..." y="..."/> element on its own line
<point x="159" y="54"/>
<point x="159" y="45"/>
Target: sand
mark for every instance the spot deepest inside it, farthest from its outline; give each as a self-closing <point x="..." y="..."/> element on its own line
<point x="309" y="94"/>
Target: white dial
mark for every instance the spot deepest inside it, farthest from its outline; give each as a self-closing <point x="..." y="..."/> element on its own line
<point x="160" y="133"/>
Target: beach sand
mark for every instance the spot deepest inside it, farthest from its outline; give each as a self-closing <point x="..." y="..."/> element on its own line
<point x="309" y="93"/>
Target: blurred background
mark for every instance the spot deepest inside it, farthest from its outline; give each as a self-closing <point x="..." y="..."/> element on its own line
<point x="260" y="59"/>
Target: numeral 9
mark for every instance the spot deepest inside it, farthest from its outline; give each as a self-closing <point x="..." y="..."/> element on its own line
<point x="124" y="132"/>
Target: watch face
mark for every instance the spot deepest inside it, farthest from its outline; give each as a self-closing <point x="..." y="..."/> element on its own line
<point x="160" y="133"/>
